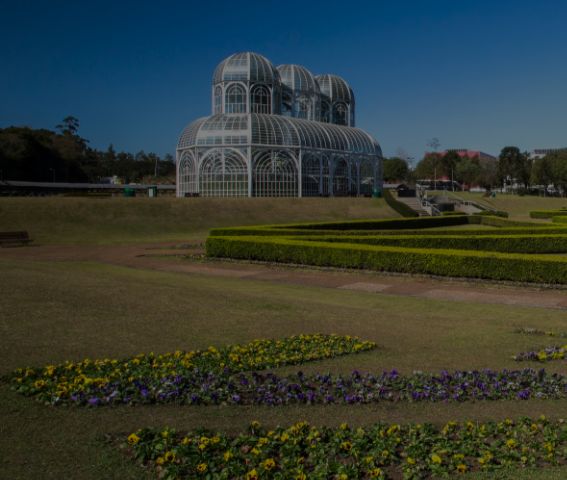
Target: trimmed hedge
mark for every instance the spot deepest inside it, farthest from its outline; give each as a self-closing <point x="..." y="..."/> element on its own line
<point x="450" y="214"/>
<point x="493" y="213"/>
<point x="410" y="226"/>
<point x="547" y="213"/>
<point x="400" y="207"/>
<point x="559" y="219"/>
<point x="455" y="263"/>
<point x="493" y="243"/>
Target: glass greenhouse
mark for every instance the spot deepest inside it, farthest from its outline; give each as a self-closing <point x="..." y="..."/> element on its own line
<point x="277" y="132"/>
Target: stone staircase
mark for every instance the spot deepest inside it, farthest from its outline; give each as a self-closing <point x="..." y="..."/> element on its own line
<point x="415" y="204"/>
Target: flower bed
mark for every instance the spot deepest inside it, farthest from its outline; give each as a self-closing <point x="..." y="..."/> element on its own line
<point x="208" y="388"/>
<point x="544" y="355"/>
<point x="74" y="381"/>
<point x="378" y="451"/>
<point x="538" y="332"/>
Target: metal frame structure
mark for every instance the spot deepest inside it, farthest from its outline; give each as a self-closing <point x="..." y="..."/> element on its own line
<point x="277" y="132"/>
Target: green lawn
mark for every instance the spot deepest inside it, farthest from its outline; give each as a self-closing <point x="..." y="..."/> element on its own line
<point x="107" y="220"/>
<point x="54" y="311"/>
<point x="76" y="310"/>
<point x="517" y="206"/>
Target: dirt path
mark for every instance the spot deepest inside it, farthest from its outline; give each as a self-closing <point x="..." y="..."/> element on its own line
<point x="168" y="258"/>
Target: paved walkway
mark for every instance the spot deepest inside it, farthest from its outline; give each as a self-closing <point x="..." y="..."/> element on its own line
<point x="166" y="258"/>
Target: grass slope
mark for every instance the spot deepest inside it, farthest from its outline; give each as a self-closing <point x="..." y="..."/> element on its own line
<point x="517" y="206"/>
<point x="69" y="314"/>
<point x="126" y="220"/>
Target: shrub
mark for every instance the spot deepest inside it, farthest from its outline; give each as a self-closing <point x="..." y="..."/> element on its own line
<point x="559" y="219"/>
<point x="547" y="213"/>
<point x="493" y="213"/>
<point x="457" y="263"/>
<point x="449" y="214"/>
<point x="495" y="243"/>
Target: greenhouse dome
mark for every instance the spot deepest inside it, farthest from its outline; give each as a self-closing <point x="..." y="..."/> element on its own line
<point x="265" y="138"/>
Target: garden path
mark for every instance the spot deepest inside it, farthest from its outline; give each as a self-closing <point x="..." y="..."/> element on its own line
<point x="170" y="258"/>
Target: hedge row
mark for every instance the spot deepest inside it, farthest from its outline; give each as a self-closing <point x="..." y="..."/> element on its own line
<point x="400" y="207"/>
<point x="410" y="226"/>
<point x="493" y="243"/>
<point x="559" y="219"/>
<point x="547" y="213"/>
<point x="493" y="213"/>
<point x="455" y="263"/>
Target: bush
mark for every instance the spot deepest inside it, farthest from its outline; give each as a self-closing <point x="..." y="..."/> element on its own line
<point x="449" y="214"/>
<point x="559" y="219"/>
<point x="455" y="263"/>
<point x="547" y="213"/>
<point x="399" y="207"/>
<point x="493" y="213"/>
<point x="495" y="243"/>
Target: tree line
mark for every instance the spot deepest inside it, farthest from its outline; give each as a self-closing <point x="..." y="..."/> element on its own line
<point x="43" y="155"/>
<point x="513" y="170"/>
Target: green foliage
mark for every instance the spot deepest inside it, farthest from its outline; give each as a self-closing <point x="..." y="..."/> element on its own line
<point x="448" y="253"/>
<point x="514" y="165"/>
<point x="454" y="263"/>
<point x="395" y="169"/>
<point x="381" y="451"/>
<point x="399" y="207"/>
<point x="543" y="243"/>
<point x="46" y="156"/>
<point x="450" y="214"/>
<point x="493" y="213"/>
<point x="559" y="219"/>
<point x="547" y="213"/>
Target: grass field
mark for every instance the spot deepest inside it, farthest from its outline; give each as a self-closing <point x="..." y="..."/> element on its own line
<point x="57" y="311"/>
<point x="65" y="220"/>
<point x="517" y="206"/>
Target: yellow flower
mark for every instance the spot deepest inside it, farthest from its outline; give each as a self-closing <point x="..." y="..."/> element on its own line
<point x="346" y="446"/>
<point x="255" y="451"/>
<point x="227" y="456"/>
<point x="39" y="384"/>
<point x="343" y="476"/>
<point x="511" y="443"/>
<point x="215" y="440"/>
<point x="410" y="461"/>
<point x="252" y="475"/>
<point x="375" y="473"/>
<point x="202" y="467"/>
<point x="186" y="441"/>
<point x="160" y="461"/>
<point x="169" y="456"/>
<point x="269" y="463"/>
<point x="436" y="459"/>
<point x="343" y="426"/>
<point x="133" y="439"/>
<point x="461" y="468"/>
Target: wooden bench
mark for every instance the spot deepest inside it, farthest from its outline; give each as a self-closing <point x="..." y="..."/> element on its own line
<point x="11" y="239"/>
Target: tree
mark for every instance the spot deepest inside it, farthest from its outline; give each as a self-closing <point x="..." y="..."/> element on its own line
<point x="541" y="173"/>
<point x="558" y="169"/>
<point x="69" y="126"/>
<point x="514" y="166"/>
<point x="395" y="169"/>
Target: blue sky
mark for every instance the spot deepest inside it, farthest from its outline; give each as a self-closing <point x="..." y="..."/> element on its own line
<point x="476" y="74"/>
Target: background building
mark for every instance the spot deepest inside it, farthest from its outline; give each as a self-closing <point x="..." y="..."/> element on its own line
<point x="542" y="152"/>
<point x="277" y="132"/>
